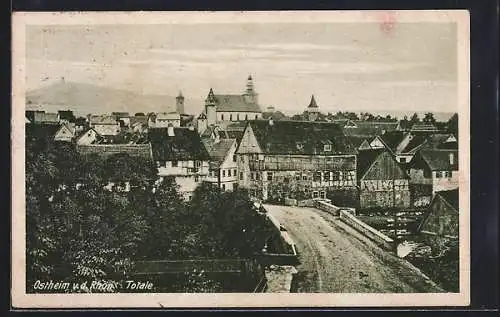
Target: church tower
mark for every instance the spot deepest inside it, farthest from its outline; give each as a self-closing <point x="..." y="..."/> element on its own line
<point x="179" y="103"/>
<point x="312" y="110"/>
<point x="210" y="108"/>
<point x="250" y="95"/>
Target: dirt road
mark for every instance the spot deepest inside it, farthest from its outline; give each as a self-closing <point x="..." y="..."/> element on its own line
<point x="336" y="258"/>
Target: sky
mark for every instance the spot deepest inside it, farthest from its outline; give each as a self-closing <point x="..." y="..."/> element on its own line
<point x="347" y="66"/>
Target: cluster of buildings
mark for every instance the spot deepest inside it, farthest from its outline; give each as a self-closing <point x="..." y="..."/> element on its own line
<point x="378" y="164"/>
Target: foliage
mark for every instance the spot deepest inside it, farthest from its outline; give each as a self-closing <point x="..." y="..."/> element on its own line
<point x="452" y="124"/>
<point x="76" y="230"/>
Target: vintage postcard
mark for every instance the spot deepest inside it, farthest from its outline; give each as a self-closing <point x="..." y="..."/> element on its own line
<point x="240" y="159"/>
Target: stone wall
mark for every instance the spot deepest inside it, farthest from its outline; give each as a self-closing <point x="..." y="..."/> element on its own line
<point x="370" y="232"/>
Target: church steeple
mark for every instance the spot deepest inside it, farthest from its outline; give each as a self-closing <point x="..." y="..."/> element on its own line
<point x="312" y="110"/>
<point x="250" y="95"/>
<point x="179" y="103"/>
<point x="312" y="105"/>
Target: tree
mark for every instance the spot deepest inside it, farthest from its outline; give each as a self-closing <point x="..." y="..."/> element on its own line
<point x="452" y="124"/>
<point x="414" y="119"/>
<point x="76" y="230"/>
<point x="429" y="118"/>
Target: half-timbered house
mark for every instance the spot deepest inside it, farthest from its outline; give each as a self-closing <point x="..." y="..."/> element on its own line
<point x="382" y="181"/>
<point x="295" y="159"/>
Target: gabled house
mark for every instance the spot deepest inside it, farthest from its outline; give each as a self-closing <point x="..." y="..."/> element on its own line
<point x="66" y="132"/>
<point x="441" y="141"/>
<point x="223" y="169"/>
<point x="295" y="159"/>
<point x="403" y="145"/>
<point x="105" y="125"/>
<point x="164" y="119"/>
<point x="382" y="181"/>
<point x="441" y="220"/>
<point x="359" y="143"/>
<point x="389" y="140"/>
<point x="123" y="117"/>
<point x="432" y="171"/>
<point x="88" y="137"/>
<point x="45" y="118"/>
<point x="179" y="152"/>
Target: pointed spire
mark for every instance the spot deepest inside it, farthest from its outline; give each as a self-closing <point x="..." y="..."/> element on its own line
<point x="180" y="95"/>
<point x="210" y="97"/>
<point x="313" y="103"/>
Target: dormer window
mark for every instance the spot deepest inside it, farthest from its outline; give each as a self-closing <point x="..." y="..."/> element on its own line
<point x="327" y="147"/>
<point x="300" y="146"/>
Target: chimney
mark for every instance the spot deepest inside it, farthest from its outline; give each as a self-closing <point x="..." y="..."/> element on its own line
<point x="170" y="130"/>
<point x="452" y="158"/>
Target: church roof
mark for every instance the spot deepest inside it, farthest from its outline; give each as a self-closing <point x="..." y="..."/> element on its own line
<point x="234" y="103"/>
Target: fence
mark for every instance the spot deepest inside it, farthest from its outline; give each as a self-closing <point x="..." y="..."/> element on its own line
<point x="375" y="235"/>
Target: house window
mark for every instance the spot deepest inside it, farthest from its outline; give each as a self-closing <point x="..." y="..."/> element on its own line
<point x="336" y="175"/>
<point x="402" y="160"/>
<point x="175" y="163"/>
<point x="326" y="176"/>
<point x="438" y="174"/>
<point x="317" y="176"/>
<point x="297" y="176"/>
<point x="196" y="179"/>
<point x="234" y="158"/>
<point x="235" y="186"/>
<point x="229" y="173"/>
<point x="269" y="176"/>
<point x="230" y="117"/>
<point x="448" y="174"/>
<point x="222" y="117"/>
<point x="223" y="186"/>
<point x="327" y="147"/>
<point x="315" y="194"/>
<point x="257" y="176"/>
<point x="304" y="176"/>
<point x="197" y="163"/>
<point x="246" y="117"/>
<point x="252" y="175"/>
<point x="322" y="194"/>
<point x="241" y="175"/>
<point x="223" y="173"/>
<point x="234" y="172"/>
<point x="256" y="117"/>
<point x="238" y="117"/>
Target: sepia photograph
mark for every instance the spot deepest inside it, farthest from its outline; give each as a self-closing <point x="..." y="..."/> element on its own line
<point x="240" y="159"/>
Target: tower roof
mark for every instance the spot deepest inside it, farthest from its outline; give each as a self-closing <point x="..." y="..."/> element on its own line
<point x="180" y="95"/>
<point x="313" y="103"/>
<point x="211" y="97"/>
<point x="250" y="77"/>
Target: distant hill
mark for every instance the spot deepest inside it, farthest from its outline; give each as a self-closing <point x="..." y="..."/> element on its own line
<point x="85" y="98"/>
